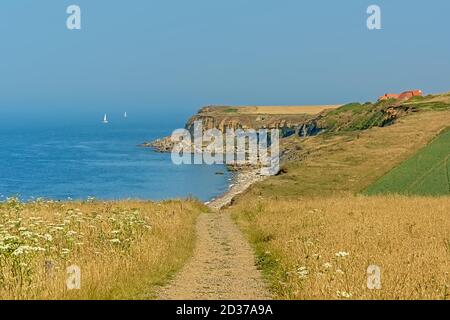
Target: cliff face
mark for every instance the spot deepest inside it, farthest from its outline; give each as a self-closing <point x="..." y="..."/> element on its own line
<point x="350" y="117"/>
<point x="223" y="118"/>
<point x="229" y="118"/>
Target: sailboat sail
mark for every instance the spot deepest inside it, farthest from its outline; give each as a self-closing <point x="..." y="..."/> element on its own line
<point x="105" y="119"/>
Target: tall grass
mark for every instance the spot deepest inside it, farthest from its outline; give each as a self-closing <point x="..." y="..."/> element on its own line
<point x="123" y="248"/>
<point x="321" y="248"/>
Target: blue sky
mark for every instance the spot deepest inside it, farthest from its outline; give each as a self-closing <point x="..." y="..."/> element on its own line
<point x="173" y="56"/>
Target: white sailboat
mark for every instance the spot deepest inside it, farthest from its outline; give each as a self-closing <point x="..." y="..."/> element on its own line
<point x="125" y="114"/>
<point x="105" y="119"/>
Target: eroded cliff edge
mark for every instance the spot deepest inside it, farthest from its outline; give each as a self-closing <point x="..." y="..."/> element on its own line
<point x="289" y="120"/>
<point x="300" y="121"/>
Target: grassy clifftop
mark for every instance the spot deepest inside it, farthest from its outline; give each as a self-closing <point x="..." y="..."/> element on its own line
<point x="310" y="120"/>
<point x="315" y="237"/>
<point x="348" y="161"/>
<point x="358" y="116"/>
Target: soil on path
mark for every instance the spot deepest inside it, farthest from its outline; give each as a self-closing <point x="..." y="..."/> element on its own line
<point x="222" y="266"/>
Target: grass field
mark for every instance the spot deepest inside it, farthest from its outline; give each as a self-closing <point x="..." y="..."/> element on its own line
<point x="425" y="173"/>
<point x="314" y="236"/>
<point x="284" y="109"/>
<point x="321" y="248"/>
<point x="123" y="248"/>
<point x="348" y="162"/>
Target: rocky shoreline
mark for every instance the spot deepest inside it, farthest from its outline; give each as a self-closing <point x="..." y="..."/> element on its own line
<point x="242" y="180"/>
<point x="243" y="176"/>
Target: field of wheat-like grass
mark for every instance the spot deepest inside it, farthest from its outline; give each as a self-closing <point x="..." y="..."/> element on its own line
<point x="123" y="249"/>
<point x="321" y="248"/>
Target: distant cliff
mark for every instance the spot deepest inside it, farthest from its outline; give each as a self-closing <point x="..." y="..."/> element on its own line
<point x="233" y="118"/>
<point x="309" y="120"/>
<point x="224" y="118"/>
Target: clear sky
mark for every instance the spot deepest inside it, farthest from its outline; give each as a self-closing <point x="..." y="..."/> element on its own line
<point x="173" y="56"/>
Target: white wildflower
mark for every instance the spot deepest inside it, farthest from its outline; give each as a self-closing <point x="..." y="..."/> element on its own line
<point x="26" y="249"/>
<point x="302" y="272"/>
<point x="27" y="234"/>
<point x="344" y="294"/>
<point x="71" y="233"/>
<point x="342" y="254"/>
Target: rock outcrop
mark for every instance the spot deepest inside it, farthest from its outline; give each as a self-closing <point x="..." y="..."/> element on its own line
<point x="349" y="117"/>
<point x="226" y="118"/>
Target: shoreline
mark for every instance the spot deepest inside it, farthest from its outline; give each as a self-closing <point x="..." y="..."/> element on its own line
<point x="242" y="180"/>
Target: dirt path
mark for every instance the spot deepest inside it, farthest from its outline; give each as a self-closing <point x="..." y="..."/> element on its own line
<point x="222" y="267"/>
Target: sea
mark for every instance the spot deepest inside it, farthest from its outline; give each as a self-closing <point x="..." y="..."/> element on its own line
<point x="86" y="158"/>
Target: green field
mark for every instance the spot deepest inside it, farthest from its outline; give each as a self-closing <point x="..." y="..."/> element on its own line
<point x="426" y="173"/>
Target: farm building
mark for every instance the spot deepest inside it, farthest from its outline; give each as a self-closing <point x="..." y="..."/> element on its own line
<point x="402" y="96"/>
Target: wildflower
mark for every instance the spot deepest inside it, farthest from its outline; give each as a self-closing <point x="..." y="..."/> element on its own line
<point x="114" y="240"/>
<point x="65" y="251"/>
<point x="339" y="271"/>
<point x="71" y="233"/>
<point x="10" y="238"/>
<point x="26" y="249"/>
<point x="344" y="294"/>
<point x="5" y="247"/>
<point x="27" y="234"/>
<point x="327" y="265"/>
<point x="302" y="272"/>
<point x="48" y="237"/>
<point x="342" y="254"/>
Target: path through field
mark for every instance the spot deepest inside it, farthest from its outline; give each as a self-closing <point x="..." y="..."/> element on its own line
<point x="222" y="267"/>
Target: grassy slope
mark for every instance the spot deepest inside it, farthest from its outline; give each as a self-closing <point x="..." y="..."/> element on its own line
<point x="425" y="173"/>
<point x="349" y="161"/>
<point x="297" y="241"/>
<point x="298" y="220"/>
<point x="124" y="249"/>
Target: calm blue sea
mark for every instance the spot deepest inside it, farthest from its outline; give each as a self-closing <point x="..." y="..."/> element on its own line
<point x="91" y="159"/>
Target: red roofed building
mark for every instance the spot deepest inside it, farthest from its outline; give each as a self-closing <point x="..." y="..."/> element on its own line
<point x="402" y="96"/>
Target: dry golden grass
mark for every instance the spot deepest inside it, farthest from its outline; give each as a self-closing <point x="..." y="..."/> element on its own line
<point x="280" y="110"/>
<point x="303" y="245"/>
<point x="123" y="248"/>
<point x="298" y="221"/>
